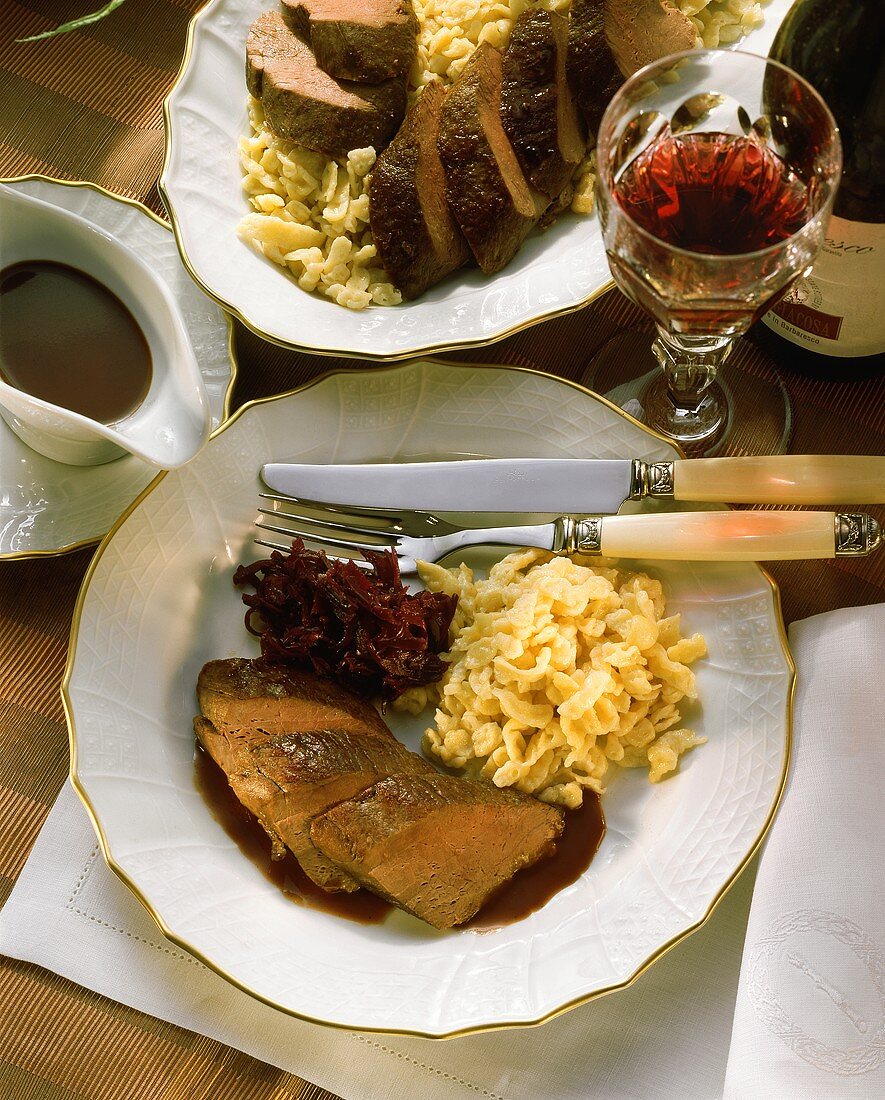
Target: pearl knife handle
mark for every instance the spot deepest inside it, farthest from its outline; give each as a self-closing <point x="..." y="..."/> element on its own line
<point x="771" y="479"/>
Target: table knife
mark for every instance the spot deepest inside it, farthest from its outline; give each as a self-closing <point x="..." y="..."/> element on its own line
<point x="581" y="485"/>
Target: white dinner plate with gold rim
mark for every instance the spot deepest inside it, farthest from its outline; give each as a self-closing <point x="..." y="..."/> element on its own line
<point x="555" y="272"/>
<point x="158" y="602"/>
<point x="48" y="507"/>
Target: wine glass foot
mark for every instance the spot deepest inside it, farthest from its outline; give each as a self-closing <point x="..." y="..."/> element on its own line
<point x="759" y="415"/>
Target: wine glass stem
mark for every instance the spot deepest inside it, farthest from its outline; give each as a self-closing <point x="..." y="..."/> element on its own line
<point x="690" y="364"/>
<point x="687" y="402"/>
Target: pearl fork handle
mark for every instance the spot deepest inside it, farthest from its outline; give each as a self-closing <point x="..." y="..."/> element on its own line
<point x="724" y="536"/>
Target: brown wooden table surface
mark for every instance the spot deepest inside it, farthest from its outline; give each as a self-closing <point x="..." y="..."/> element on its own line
<point x="89" y="106"/>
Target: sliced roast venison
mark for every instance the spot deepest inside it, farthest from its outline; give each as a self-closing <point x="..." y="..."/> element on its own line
<point x="592" y="70"/>
<point x="253" y="762"/>
<point x="642" y="31"/>
<point x="312" y="772"/>
<point x="304" y="104"/>
<point x="368" y="40"/>
<point x="436" y="845"/>
<point x="232" y="752"/>
<point x="609" y="40"/>
<point x="353" y="804"/>
<point x="285" y="780"/>
<point x="417" y="239"/>
<point x="239" y="693"/>
<point x="538" y="110"/>
<point x="253" y="711"/>
<point x="488" y="193"/>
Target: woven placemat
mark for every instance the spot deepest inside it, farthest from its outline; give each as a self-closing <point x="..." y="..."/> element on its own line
<point x="88" y="105"/>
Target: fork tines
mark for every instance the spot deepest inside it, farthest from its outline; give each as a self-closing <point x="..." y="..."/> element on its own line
<point x="323" y="526"/>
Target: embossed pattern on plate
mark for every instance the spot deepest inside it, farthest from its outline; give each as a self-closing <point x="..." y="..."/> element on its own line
<point x="47" y="507"/>
<point x="159" y="602"/>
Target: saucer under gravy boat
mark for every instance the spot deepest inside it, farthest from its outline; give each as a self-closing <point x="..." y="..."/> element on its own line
<point x="172" y="421"/>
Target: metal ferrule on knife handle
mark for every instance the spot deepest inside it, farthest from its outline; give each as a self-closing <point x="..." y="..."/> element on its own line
<point x="659" y="480"/>
<point x="651" y="479"/>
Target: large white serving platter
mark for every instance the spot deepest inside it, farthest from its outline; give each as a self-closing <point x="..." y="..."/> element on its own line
<point x="48" y="507"/>
<point x="158" y="602"/>
<point x="555" y="272"/>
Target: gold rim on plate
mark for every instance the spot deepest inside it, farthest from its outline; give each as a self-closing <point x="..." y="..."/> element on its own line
<point x="69" y="548"/>
<point x="461" y="1032"/>
<point x="354" y="353"/>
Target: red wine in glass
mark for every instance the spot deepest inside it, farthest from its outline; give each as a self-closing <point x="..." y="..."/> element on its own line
<point x="713" y="193"/>
<point x="716" y="194"/>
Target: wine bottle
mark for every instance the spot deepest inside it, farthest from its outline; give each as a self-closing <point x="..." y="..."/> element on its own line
<point x="834" y="319"/>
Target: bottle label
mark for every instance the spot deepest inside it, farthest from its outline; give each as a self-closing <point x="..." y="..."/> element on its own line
<point x="837" y="309"/>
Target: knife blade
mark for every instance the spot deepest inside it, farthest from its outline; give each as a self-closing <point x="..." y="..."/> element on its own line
<point x="468" y="485"/>
<point x="582" y="485"/>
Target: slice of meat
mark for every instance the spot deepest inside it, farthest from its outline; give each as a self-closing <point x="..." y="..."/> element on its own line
<point x="642" y="31"/>
<point x="417" y="239"/>
<point x="312" y="772"/>
<point x="369" y="40"/>
<point x="487" y="191"/>
<point x="538" y="110"/>
<point x="437" y="846"/>
<point x="232" y="752"/>
<point x="592" y="70"/>
<point x="303" y="103"/>
<point x="610" y="40"/>
<point x="286" y="780"/>
<point x="243" y="694"/>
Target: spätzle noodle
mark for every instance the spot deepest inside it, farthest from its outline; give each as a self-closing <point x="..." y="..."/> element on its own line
<point x="556" y="669"/>
<point x="312" y="216"/>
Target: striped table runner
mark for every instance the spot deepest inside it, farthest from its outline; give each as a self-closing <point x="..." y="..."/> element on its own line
<point x="88" y="105"/>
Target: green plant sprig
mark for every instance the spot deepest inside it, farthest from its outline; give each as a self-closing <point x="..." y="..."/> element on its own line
<point x="76" y="24"/>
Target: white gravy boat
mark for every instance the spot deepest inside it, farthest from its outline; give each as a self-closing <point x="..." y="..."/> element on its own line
<point x="172" y="423"/>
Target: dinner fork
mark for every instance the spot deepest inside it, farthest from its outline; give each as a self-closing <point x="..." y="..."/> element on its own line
<point x="676" y="536"/>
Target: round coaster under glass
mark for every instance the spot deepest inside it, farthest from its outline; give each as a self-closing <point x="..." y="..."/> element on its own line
<point x="759" y="420"/>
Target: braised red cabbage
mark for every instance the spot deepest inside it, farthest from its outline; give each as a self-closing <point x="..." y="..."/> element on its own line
<point x="360" y="626"/>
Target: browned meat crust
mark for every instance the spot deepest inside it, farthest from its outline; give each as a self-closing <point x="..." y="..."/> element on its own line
<point x="368" y="40"/>
<point x="303" y="103"/>
<point x="436" y="845"/>
<point x="592" y="71"/>
<point x="417" y="238"/>
<point x="538" y="110"/>
<point x="490" y="197"/>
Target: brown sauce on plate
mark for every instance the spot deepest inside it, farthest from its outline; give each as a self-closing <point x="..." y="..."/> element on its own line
<point x="527" y="891"/>
<point x="66" y="339"/>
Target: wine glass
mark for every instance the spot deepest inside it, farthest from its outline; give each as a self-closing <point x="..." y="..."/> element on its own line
<point x="716" y="171"/>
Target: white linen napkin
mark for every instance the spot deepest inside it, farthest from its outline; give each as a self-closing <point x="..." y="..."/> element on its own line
<point x="668" y="1035"/>
<point x="810" y="1013"/>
